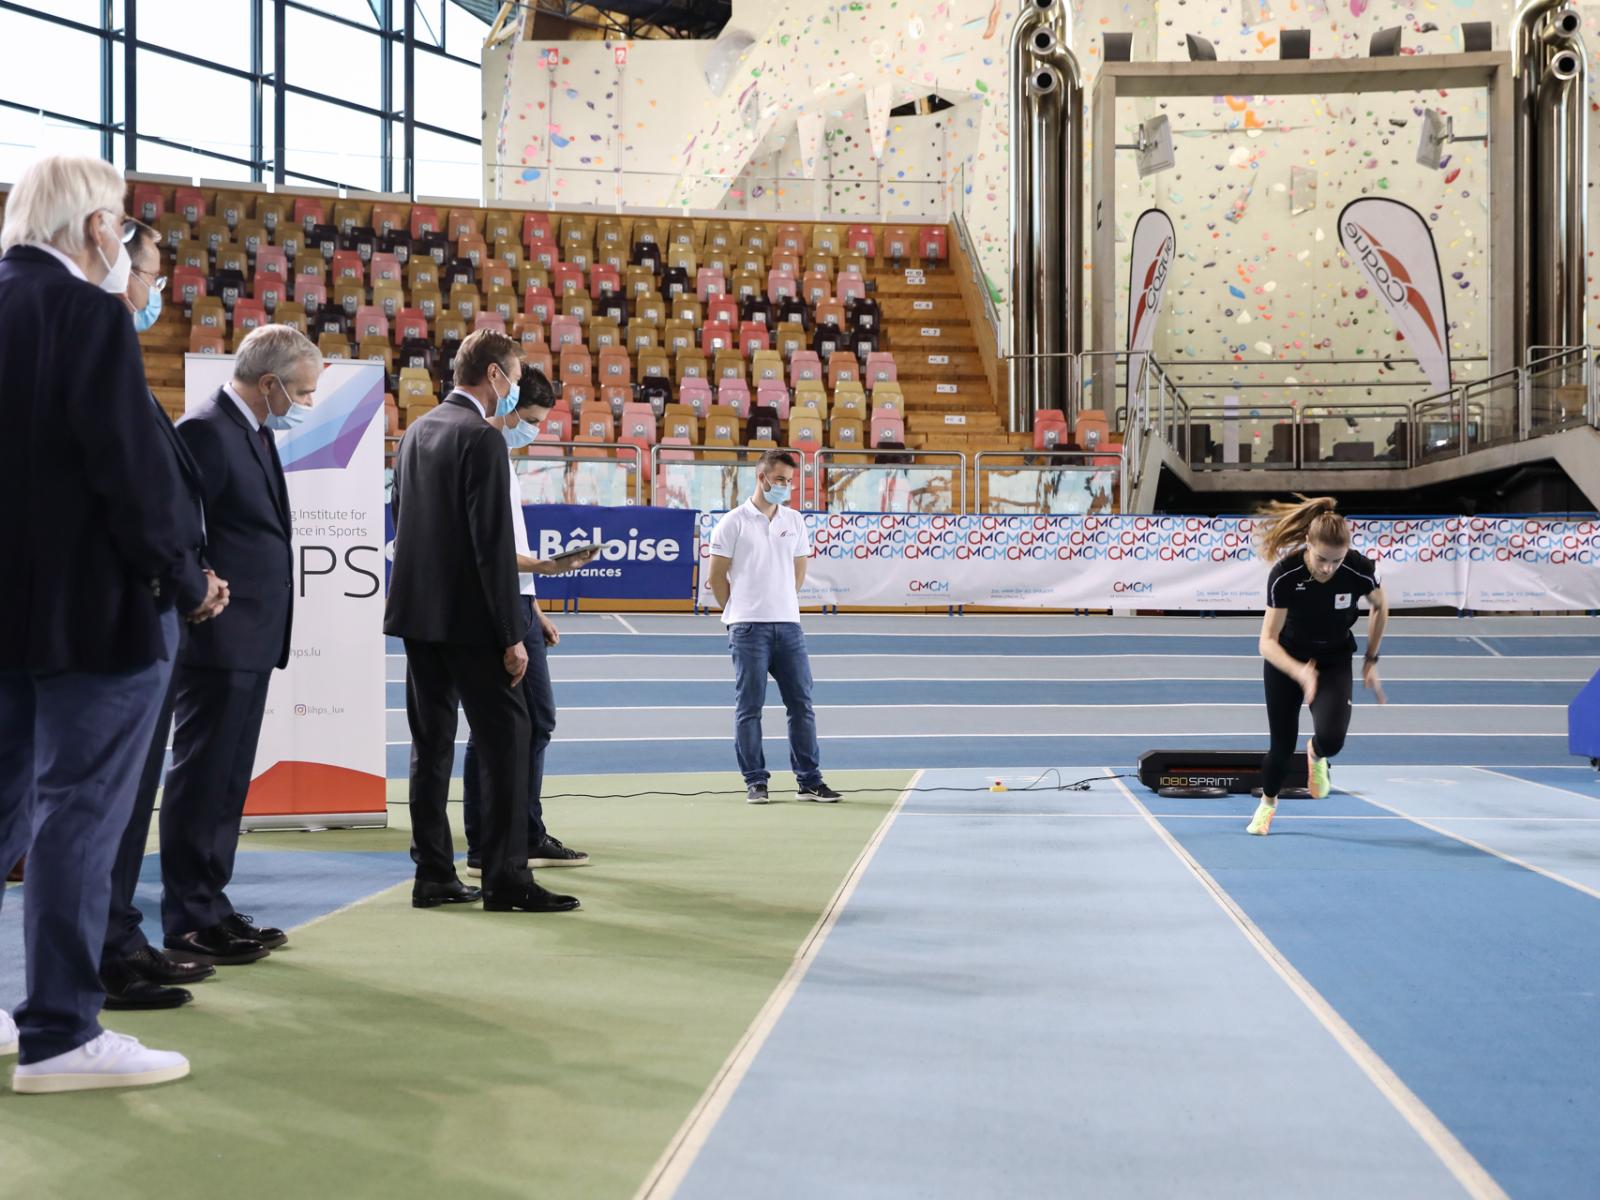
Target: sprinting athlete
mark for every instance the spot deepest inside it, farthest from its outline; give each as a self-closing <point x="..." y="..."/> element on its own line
<point x="1313" y="592"/>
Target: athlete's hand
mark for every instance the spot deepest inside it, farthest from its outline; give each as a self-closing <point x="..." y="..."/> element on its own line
<point x="1370" y="680"/>
<point x="1307" y="675"/>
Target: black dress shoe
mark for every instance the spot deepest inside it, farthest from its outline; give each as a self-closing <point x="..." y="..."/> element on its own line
<point x="126" y="990"/>
<point x="152" y="966"/>
<point x="431" y="895"/>
<point x="217" y="945"/>
<point x="246" y="929"/>
<point x="533" y="899"/>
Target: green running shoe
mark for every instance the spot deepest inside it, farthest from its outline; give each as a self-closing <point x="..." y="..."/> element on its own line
<point x="1318" y="777"/>
<point x="1262" y="821"/>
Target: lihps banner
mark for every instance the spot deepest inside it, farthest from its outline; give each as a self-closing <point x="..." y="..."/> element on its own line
<point x="321" y="756"/>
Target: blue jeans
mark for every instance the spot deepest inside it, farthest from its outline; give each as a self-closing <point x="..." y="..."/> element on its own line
<point x="777" y="648"/>
<point x="70" y="757"/>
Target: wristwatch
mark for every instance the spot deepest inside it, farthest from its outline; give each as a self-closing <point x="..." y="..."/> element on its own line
<point x="1372" y="658"/>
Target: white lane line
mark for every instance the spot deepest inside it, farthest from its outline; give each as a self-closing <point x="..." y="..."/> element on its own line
<point x="967" y="706"/>
<point x="615" y="740"/>
<point x="1469" y="1173"/>
<point x="1130" y="634"/>
<point x="1553" y="876"/>
<point x="1252" y="677"/>
<point x="1488" y="647"/>
<point x="621" y="620"/>
<point x="1182" y="816"/>
<point x="673" y="1165"/>
<point x="1535" y="783"/>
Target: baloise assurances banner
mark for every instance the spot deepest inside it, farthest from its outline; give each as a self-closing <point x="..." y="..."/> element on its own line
<point x="645" y="553"/>
<point x="1493" y="564"/>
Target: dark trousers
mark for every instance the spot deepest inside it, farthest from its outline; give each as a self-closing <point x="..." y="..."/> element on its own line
<point x="124" y="937"/>
<point x="540" y="698"/>
<point x="1330" y="717"/>
<point x="69" y="762"/>
<point x="216" y="717"/>
<point x="437" y="676"/>
<point x="776" y="648"/>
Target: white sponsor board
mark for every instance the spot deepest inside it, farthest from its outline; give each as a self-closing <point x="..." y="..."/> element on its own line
<point x="322" y="741"/>
<point x="1505" y="564"/>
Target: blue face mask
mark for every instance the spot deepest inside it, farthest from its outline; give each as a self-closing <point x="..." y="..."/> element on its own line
<point x="508" y="402"/>
<point x="521" y="434"/>
<point x="147" y="316"/>
<point x="778" y="493"/>
<point x="297" y="415"/>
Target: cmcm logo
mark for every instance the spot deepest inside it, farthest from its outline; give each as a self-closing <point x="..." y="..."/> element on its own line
<point x="1138" y="586"/>
<point x="928" y="585"/>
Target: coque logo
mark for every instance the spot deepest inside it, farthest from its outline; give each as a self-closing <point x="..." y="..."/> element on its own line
<point x="1155" y="280"/>
<point x="1391" y="277"/>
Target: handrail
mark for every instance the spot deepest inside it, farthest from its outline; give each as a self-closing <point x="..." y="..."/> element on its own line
<point x="969" y="248"/>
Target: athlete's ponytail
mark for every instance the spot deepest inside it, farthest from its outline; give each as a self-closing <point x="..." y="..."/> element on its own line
<point x="1282" y="526"/>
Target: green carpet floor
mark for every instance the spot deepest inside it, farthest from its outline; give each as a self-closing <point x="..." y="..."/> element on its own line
<point x="392" y="1052"/>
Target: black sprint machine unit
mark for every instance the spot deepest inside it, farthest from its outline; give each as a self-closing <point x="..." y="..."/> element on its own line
<point x="1203" y="773"/>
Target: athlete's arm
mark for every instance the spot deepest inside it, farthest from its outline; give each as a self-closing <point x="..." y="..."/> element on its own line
<point x="1273" y="651"/>
<point x="1377" y="619"/>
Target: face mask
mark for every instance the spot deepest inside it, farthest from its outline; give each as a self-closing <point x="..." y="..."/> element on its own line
<point x="778" y="493"/>
<point x="507" y="403"/>
<point x="522" y="434"/>
<point x="150" y="313"/>
<point x="116" y="280"/>
<point x="297" y="415"/>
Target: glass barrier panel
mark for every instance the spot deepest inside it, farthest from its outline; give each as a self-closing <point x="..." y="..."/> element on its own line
<point x="888" y="488"/>
<point x="570" y="480"/>
<point x="1048" y="490"/>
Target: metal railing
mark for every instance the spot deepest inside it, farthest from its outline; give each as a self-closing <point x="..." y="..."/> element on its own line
<point x="891" y="487"/>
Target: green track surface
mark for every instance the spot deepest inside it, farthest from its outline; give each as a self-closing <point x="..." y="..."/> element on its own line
<point x="395" y="1052"/>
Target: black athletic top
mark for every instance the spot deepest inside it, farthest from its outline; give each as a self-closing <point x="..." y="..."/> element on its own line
<point x="1321" y="615"/>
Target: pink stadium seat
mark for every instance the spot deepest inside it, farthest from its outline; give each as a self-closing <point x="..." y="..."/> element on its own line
<point x="371" y="322"/>
<point x="804" y="365"/>
<point x="736" y="394"/>
<point x="780" y="285"/>
<point x="1049" y="428"/>
<point x="696" y="393"/>
<point x="880" y="369"/>
<point x="888" y="427"/>
<point x="851" y="287"/>
<point x="708" y="282"/>
<point x="772" y="394"/>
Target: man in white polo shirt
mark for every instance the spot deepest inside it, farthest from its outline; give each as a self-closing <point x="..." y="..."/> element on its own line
<point x="758" y="562"/>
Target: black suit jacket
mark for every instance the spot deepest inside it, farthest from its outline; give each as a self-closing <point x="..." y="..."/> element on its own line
<point x="454" y="577"/>
<point x="248" y="541"/>
<point x="99" y="533"/>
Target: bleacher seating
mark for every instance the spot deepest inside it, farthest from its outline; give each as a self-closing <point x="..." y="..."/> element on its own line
<point x="708" y="332"/>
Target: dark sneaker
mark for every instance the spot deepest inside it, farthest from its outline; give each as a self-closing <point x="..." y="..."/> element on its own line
<point x="756" y="793"/>
<point x="474" y="869"/>
<point x="820" y="794"/>
<point x="551" y="853"/>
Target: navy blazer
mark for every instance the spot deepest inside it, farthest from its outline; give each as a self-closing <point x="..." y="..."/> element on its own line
<point x="99" y="533"/>
<point x="454" y="578"/>
<point x="248" y="541"/>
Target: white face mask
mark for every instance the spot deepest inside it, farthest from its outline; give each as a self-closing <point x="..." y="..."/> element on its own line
<point x="116" y="280"/>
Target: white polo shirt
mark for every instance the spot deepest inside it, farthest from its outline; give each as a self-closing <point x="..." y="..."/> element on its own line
<point x="761" y="570"/>
<point x="519" y="531"/>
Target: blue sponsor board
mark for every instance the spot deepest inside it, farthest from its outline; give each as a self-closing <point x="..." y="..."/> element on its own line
<point x="646" y="553"/>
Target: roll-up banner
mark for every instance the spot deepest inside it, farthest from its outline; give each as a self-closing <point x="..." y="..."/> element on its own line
<point x="320" y="760"/>
<point x="1149" y="269"/>
<point x="1391" y="244"/>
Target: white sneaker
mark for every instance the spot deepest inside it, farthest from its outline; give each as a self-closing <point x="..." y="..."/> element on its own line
<point x="8" y="1034"/>
<point x="111" y="1060"/>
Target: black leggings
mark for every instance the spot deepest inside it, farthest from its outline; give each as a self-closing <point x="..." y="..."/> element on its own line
<point x="1330" y="716"/>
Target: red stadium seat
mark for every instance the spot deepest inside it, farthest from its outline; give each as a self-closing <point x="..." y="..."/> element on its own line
<point x="1049" y="428"/>
<point x="190" y="204"/>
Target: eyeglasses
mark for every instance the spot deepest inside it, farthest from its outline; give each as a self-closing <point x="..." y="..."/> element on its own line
<point x="154" y="282"/>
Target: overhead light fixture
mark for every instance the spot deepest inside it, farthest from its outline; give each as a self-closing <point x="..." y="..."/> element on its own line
<point x="1200" y="50"/>
<point x="1294" y="43"/>
<point x="1477" y="36"/>
<point x="1439" y="131"/>
<point x="1118" y="47"/>
<point x="1385" y="43"/>
<point x="1154" y="146"/>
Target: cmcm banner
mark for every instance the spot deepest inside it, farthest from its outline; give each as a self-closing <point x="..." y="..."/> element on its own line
<point x="1195" y="564"/>
<point x="320" y="760"/>
<point x="646" y="553"/>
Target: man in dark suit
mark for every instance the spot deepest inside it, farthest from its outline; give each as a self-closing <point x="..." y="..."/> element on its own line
<point x="136" y="975"/>
<point x="220" y="689"/>
<point x="98" y="549"/>
<point x="455" y="599"/>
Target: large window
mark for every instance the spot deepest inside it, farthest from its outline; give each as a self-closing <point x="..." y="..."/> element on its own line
<point x="208" y="92"/>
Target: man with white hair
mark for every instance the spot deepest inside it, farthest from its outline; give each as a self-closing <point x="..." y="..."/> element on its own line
<point x="220" y="689"/>
<point x="99" y="559"/>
